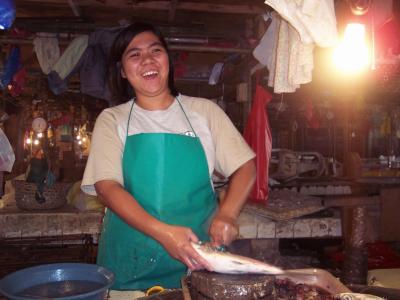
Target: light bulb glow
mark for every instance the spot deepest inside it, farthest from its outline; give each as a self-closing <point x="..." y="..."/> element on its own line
<point x="40" y="135"/>
<point x="352" y="54"/>
<point x="36" y="142"/>
<point x="28" y="141"/>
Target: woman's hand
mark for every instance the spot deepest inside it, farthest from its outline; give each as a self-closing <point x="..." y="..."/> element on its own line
<point x="223" y="230"/>
<point x="176" y="241"/>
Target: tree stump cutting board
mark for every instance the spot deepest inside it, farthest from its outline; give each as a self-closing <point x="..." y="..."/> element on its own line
<point x="206" y="285"/>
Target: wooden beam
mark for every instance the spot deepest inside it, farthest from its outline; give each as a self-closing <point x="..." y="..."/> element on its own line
<point x="166" y="5"/>
<point x="203" y="7"/>
<point x="174" y="47"/>
<point x="172" y="10"/>
<point x="209" y="49"/>
<point x="75" y="8"/>
<point x="341" y="201"/>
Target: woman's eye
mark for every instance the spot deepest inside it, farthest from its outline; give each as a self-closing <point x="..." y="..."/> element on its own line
<point x="134" y="54"/>
<point x="156" y="50"/>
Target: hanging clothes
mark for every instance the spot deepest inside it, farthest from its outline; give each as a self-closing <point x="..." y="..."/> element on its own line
<point x="287" y="47"/>
<point x="47" y="50"/>
<point x="71" y="56"/>
<point x="314" y="20"/>
<point x="67" y="65"/>
<point x="93" y="73"/>
<point x="87" y="54"/>
<point x="289" y="61"/>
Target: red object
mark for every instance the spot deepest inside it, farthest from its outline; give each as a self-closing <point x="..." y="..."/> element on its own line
<point x="180" y="65"/>
<point x="311" y="116"/>
<point x="257" y="134"/>
<point x="380" y="256"/>
<point x="17" y="84"/>
<point x="387" y="38"/>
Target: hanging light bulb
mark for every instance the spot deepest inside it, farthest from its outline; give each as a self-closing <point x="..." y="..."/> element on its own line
<point x="28" y="141"/>
<point x="40" y="135"/>
<point x="352" y="53"/>
<point x="36" y="142"/>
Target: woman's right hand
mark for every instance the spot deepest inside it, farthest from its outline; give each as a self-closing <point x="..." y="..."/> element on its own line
<point x="176" y="241"/>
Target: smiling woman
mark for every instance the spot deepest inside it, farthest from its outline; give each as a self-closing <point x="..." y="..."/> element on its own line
<point x="145" y="66"/>
<point x="130" y="52"/>
<point x="151" y="163"/>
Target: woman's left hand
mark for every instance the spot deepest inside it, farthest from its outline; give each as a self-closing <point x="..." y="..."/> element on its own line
<point x="223" y="230"/>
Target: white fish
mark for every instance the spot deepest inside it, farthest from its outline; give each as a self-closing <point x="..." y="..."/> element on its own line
<point x="228" y="263"/>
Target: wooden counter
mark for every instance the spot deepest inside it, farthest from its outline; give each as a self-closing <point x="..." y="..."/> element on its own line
<point x="67" y="220"/>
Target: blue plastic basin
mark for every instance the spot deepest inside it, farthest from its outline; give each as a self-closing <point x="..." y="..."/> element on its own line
<point x="58" y="281"/>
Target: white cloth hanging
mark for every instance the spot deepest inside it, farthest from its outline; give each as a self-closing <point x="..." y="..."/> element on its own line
<point x="314" y="20"/>
<point x="47" y="50"/>
<point x="289" y="61"/>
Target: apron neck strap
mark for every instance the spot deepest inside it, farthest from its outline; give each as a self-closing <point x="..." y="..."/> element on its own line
<point x="190" y="124"/>
<point x="129" y="117"/>
<point x="179" y="102"/>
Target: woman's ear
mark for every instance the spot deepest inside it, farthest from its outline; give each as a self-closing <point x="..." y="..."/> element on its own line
<point x="123" y="73"/>
<point x="119" y="65"/>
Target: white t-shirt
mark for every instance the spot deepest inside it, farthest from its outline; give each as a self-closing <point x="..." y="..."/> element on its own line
<point x="224" y="146"/>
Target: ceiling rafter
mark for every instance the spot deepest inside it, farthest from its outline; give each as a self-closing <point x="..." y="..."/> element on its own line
<point x="172" y="10"/>
<point x="75" y="8"/>
<point x="166" y="5"/>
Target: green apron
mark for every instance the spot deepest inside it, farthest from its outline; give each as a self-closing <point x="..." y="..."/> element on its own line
<point x="168" y="175"/>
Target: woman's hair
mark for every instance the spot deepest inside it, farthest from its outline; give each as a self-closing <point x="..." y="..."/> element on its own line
<point x="121" y="90"/>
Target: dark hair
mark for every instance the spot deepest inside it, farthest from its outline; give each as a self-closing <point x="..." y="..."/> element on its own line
<point x="120" y="88"/>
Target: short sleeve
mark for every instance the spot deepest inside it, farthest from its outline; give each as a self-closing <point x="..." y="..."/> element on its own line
<point x="231" y="149"/>
<point x="105" y="157"/>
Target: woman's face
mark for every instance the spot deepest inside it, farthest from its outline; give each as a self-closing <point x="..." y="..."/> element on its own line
<point x="145" y="65"/>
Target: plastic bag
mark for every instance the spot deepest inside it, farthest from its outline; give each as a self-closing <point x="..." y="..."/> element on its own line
<point x="7" y="156"/>
<point x="82" y="201"/>
<point x="7" y="13"/>
<point x="11" y="66"/>
<point x="257" y="133"/>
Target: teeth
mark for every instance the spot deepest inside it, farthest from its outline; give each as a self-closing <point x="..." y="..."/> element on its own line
<point x="149" y="73"/>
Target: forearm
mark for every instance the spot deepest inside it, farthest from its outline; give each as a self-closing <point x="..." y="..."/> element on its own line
<point x="116" y="198"/>
<point x="240" y="184"/>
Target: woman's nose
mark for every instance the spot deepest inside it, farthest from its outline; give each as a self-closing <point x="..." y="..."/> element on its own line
<point x="147" y="57"/>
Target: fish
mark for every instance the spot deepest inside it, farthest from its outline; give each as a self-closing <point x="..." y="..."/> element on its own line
<point x="229" y="263"/>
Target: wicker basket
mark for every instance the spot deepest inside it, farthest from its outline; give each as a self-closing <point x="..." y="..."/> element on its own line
<point x="55" y="195"/>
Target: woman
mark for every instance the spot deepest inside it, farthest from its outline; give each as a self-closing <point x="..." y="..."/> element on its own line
<point x="150" y="163"/>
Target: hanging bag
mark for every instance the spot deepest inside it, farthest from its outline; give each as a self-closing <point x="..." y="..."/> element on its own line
<point x="257" y="133"/>
<point x="7" y="13"/>
<point x="7" y="156"/>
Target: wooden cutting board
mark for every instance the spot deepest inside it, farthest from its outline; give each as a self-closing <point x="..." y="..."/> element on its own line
<point x="210" y="285"/>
